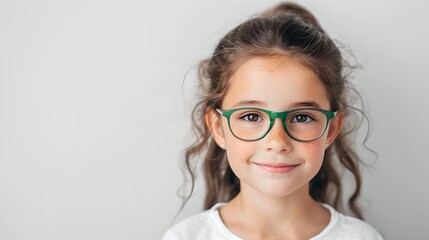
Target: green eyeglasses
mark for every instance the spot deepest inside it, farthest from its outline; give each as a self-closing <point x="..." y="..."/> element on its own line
<point x="253" y="124"/>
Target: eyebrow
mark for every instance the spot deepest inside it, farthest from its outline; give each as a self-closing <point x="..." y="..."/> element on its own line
<point x="306" y="104"/>
<point x="256" y="103"/>
<point x="251" y="103"/>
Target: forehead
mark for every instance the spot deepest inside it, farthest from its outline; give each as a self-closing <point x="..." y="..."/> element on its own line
<point x="276" y="83"/>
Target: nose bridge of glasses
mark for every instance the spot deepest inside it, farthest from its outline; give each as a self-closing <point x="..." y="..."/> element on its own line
<point x="280" y="115"/>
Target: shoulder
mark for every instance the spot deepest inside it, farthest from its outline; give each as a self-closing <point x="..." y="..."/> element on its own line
<point x="199" y="226"/>
<point x="354" y="228"/>
<point x="346" y="227"/>
<point x="193" y="226"/>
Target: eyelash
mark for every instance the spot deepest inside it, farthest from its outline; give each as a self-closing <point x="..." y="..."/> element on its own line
<point x="303" y="114"/>
<point x="245" y="116"/>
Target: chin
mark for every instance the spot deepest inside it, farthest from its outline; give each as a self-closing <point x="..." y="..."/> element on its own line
<point x="278" y="191"/>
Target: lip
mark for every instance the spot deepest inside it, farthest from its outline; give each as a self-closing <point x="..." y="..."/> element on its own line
<point x="277" y="167"/>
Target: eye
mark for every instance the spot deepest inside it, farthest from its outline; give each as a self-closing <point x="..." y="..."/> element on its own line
<point x="252" y="117"/>
<point x="301" y="118"/>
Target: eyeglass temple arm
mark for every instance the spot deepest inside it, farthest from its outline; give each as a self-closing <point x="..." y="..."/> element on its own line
<point x="219" y="111"/>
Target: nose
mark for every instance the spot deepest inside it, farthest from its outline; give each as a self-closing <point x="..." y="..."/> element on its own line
<point x="277" y="139"/>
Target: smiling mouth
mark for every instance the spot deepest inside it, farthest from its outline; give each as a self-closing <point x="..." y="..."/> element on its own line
<point x="277" y="167"/>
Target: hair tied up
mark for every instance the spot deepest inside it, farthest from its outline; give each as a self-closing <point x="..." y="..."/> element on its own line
<point x="294" y="9"/>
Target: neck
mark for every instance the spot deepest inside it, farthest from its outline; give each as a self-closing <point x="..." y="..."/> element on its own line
<point x="297" y="214"/>
<point x="276" y="209"/>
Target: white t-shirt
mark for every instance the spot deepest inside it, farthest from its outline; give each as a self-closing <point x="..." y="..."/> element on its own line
<point x="208" y="225"/>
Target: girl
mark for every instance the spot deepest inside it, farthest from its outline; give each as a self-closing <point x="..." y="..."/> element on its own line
<point x="273" y="126"/>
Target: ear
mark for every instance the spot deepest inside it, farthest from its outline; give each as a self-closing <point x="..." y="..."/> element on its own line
<point x="214" y="123"/>
<point x="334" y="128"/>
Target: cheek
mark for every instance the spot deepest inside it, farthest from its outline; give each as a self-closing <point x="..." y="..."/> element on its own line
<point x="313" y="152"/>
<point x="239" y="154"/>
<point x="238" y="160"/>
<point x="236" y="148"/>
<point x="239" y="151"/>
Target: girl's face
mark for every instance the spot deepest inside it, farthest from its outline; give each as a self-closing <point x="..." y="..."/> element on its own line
<point x="275" y="165"/>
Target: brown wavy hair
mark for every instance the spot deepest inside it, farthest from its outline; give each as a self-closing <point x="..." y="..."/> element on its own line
<point x="285" y="30"/>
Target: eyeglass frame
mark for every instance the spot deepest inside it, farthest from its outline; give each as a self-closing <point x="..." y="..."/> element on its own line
<point x="273" y="115"/>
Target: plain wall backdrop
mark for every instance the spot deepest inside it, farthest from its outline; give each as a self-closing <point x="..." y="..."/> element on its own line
<point x="95" y="104"/>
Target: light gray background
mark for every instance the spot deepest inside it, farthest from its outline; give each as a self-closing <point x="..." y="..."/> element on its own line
<point x="94" y="110"/>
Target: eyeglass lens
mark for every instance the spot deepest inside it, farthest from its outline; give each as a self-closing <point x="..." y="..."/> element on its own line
<point x="252" y="124"/>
